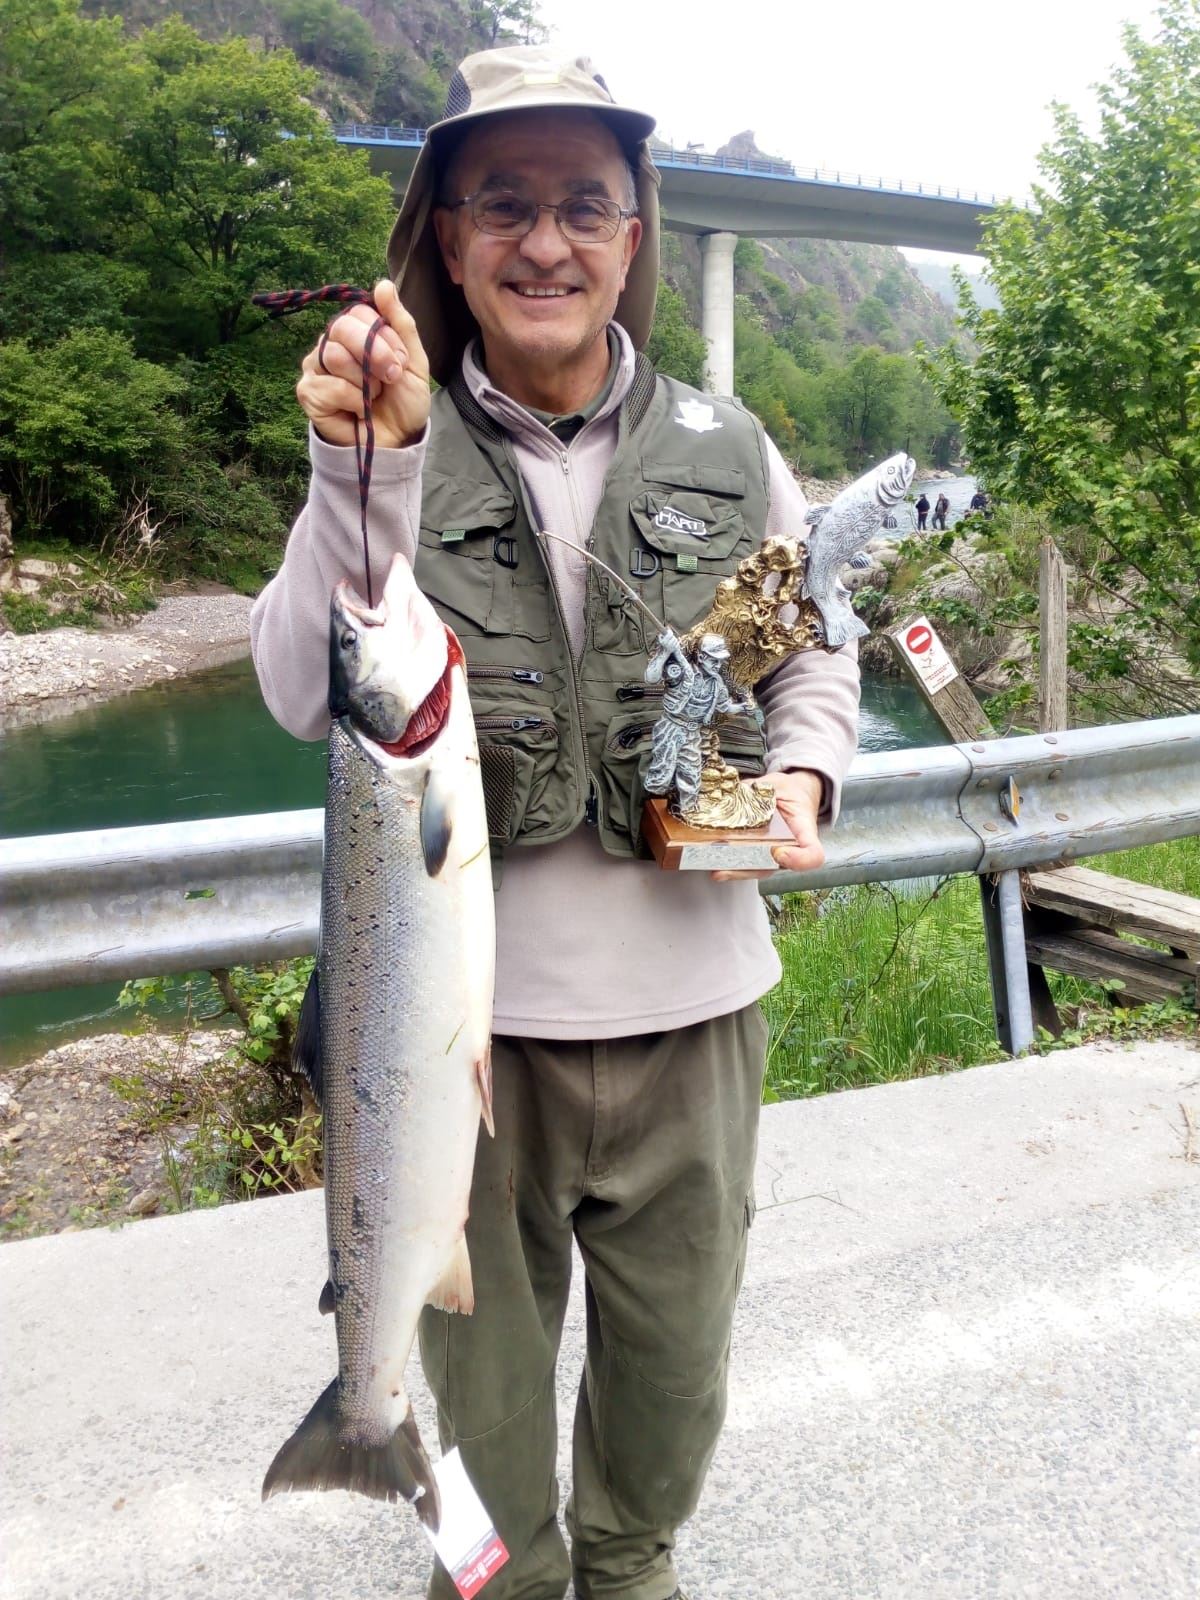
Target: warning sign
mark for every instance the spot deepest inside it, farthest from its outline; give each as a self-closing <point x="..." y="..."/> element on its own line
<point x="927" y="655"/>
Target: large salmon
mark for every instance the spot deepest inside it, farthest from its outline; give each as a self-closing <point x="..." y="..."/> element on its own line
<point x="394" y="1032"/>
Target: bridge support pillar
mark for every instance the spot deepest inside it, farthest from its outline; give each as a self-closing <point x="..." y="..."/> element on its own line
<point x="716" y="308"/>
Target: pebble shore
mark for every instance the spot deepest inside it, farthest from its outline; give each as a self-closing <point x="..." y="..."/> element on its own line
<point x="44" y="675"/>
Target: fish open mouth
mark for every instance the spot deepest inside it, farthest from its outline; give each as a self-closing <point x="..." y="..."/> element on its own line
<point x="428" y="720"/>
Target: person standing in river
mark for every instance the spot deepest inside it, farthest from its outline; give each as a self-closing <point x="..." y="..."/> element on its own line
<point x="922" y="510"/>
<point x="940" y="507"/>
<point x="629" y="1053"/>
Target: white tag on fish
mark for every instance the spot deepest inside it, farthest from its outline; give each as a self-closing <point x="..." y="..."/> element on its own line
<point x="468" y="1546"/>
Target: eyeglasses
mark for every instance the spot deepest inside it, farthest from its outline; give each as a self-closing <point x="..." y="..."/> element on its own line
<point x="584" y="219"/>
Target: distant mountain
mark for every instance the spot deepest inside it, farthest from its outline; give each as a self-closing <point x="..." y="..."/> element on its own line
<point x="939" y="278"/>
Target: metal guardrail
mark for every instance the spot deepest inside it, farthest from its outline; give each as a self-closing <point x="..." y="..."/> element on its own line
<point x="670" y="156"/>
<point x="134" y="902"/>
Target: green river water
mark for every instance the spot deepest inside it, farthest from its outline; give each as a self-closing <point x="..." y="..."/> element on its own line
<point x="206" y="747"/>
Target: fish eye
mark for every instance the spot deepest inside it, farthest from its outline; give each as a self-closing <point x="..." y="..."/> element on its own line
<point x="349" y="638"/>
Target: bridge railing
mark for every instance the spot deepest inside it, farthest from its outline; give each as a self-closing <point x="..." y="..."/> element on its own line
<point x="672" y="156"/>
<point x="180" y="897"/>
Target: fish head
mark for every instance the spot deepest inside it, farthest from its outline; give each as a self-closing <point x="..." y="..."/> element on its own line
<point x="892" y="478"/>
<point x="390" y="665"/>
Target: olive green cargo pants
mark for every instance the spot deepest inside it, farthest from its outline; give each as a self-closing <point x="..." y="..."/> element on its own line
<point x="641" y="1150"/>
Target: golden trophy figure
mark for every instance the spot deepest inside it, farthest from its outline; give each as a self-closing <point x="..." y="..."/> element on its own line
<point x="783" y="598"/>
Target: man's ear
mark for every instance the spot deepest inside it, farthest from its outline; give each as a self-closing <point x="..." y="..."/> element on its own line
<point x="633" y="238"/>
<point x="445" y="224"/>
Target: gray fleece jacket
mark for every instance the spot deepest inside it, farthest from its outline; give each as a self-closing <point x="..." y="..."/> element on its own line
<point x="588" y="946"/>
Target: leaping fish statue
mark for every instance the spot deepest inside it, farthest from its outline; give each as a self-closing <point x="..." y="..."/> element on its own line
<point x="837" y="532"/>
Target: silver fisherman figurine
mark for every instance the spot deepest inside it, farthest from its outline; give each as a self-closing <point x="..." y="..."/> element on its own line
<point x="695" y="695"/>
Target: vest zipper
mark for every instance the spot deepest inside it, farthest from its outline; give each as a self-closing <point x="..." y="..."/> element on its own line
<point x="515" y="724"/>
<point x="515" y="674"/>
<point x="639" y="691"/>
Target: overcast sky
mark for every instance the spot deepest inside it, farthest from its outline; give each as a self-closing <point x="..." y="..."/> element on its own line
<point x="936" y="91"/>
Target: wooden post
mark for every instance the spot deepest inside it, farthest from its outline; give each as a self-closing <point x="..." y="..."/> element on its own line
<point x="953" y="703"/>
<point x="1052" y="613"/>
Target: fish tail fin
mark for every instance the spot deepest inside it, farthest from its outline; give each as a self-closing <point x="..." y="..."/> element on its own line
<point x="319" y="1456"/>
<point x="841" y="625"/>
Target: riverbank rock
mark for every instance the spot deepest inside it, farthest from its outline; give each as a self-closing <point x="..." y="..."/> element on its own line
<point x="48" y="674"/>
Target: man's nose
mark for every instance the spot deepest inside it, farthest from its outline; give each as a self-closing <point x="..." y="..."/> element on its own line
<point x="544" y="244"/>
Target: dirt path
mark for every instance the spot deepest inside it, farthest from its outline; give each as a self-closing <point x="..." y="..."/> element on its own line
<point x="44" y="675"/>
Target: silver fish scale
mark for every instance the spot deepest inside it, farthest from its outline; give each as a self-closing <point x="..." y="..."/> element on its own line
<point x="387" y="958"/>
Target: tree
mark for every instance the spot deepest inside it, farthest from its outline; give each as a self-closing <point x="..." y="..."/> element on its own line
<point x="501" y="20"/>
<point x="1084" y="398"/>
<point x="326" y="33"/>
<point x="233" y="182"/>
<point x="82" y="422"/>
<point x="866" y="399"/>
<point x="675" y="346"/>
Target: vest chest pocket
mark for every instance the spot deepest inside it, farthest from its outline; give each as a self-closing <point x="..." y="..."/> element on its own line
<point x="695" y="538"/>
<point x="471" y="564"/>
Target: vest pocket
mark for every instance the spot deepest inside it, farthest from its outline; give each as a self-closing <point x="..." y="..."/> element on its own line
<point x="622" y="765"/>
<point x="471" y="564"/>
<point x="517" y="756"/>
<point x="696" y="539"/>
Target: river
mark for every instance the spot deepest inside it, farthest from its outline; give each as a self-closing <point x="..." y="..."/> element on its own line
<point x="206" y="747"/>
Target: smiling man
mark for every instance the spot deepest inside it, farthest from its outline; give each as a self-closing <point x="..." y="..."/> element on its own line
<point x="629" y="1044"/>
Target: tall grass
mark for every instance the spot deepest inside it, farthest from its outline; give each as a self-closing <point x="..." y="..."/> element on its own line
<point x="881" y="983"/>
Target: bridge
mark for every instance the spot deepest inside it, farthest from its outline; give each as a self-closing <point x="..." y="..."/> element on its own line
<point x="721" y="198"/>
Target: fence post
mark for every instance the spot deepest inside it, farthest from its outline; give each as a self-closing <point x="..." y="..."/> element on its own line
<point x="1053" y="711"/>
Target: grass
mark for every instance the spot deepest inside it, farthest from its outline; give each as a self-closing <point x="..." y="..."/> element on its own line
<point x="881" y="984"/>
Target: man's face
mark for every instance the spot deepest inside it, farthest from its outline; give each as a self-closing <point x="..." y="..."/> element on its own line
<point x="546" y="156"/>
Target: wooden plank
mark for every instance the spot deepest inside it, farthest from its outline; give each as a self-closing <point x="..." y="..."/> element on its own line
<point x="1105" y="901"/>
<point x="1100" y="957"/>
<point x="1053" y="712"/>
<point x="955" y="705"/>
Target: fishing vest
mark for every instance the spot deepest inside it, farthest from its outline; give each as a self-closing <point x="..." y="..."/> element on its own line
<point x="560" y="740"/>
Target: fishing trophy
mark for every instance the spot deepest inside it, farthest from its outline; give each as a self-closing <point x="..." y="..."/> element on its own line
<point x="785" y="597"/>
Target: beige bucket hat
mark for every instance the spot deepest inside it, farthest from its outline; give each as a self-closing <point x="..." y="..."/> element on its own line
<point x="515" y="78"/>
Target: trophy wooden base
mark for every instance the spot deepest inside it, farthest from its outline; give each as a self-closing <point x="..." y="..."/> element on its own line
<point x="680" y="848"/>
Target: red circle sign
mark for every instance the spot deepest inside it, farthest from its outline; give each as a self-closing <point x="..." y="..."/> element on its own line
<point x="917" y="640"/>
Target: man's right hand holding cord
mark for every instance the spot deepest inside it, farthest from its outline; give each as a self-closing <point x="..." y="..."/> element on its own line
<point x="330" y="387"/>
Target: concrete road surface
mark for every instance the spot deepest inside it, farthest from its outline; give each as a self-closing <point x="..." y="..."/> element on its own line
<point x="966" y="1365"/>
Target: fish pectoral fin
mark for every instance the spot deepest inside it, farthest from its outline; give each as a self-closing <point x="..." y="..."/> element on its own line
<point x="306" y="1046"/>
<point x="320" y="1455"/>
<point x="328" y="1300"/>
<point x="483" y="1071"/>
<point x="454" y="1290"/>
<point x="437" y="820"/>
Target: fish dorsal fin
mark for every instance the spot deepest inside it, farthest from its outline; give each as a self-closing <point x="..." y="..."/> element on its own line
<point x="328" y="1301"/>
<point x="454" y="1290"/>
<point x="437" y="820"/>
<point x="306" y="1047"/>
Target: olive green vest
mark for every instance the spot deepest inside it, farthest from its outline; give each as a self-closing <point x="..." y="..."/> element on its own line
<point x="563" y="740"/>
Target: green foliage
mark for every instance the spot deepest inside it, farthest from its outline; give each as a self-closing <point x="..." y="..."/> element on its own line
<point x="675" y="346"/>
<point x="151" y="185"/>
<point x="880" y="985"/>
<point x="1085" y="395"/>
<point x="327" y="34"/>
<point x="82" y="422"/>
<point x="251" y="1127"/>
<point x="407" y="92"/>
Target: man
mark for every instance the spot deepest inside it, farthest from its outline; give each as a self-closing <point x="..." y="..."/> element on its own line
<point x="922" y="511"/>
<point x="629" y="1046"/>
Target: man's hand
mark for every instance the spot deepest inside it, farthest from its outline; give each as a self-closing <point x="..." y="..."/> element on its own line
<point x="798" y="800"/>
<point x="330" y="389"/>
